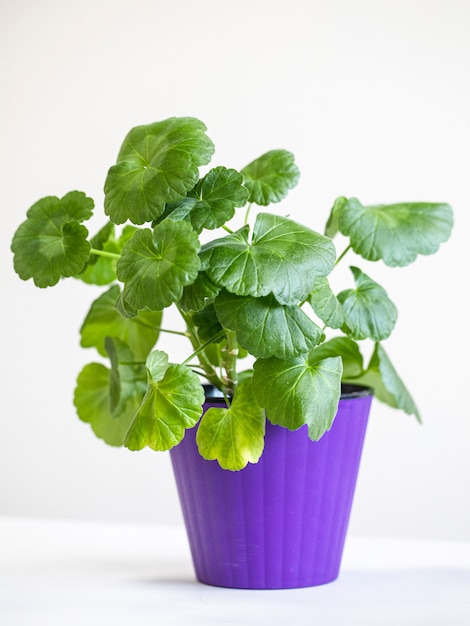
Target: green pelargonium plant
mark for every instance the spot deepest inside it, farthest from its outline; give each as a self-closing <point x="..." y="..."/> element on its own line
<point x="260" y="289"/>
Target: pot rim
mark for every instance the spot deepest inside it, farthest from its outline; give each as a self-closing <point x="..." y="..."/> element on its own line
<point x="348" y="391"/>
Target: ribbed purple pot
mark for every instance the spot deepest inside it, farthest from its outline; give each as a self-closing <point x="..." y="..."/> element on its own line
<point x="280" y="523"/>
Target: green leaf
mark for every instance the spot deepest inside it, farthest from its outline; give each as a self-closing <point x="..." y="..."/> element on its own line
<point x="325" y="304"/>
<point x="332" y="225"/>
<point x="98" y="241"/>
<point x="369" y="311"/>
<point x="349" y="352"/>
<point x="126" y="377"/>
<point x="396" y="233"/>
<point x="101" y="270"/>
<point x="125" y="309"/>
<point x="283" y="258"/>
<point x="266" y="328"/>
<point x="103" y="320"/>
<point x="387" y="384"/>
<point x="156" y="266"/>
<point x="51" y="243"/>
<point x="207" y="323"/>
<point x="299" y="391"/>
<point x="213" y="201"/>
<point x="269" y="177"/>
<point x="198" y="293"/>
<point x="114" y="379"/>
<point x="234" y="436"/>
<point x="157" y="164"/>
<point x="92" y="402"/>
<point x="172" y="403"/>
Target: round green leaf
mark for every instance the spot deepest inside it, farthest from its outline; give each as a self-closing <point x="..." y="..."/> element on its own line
<point x="213" y="201"/>
<point x="207" y="323"/>
<point x="157" y="164"/>
<point x="92" y="401"/>
<point x="369" y="311"/>
<point x="156" y="266"/>
<point x="101" y="270"/>
<point x="270" y="177"/>
<point x="331" y="227"/>
<point x="347" y="349"/>
<point x="103" y="320"/>
<point x="197" y="293"/>
<point x="283" y="258"/>
<point x="157" y="365"/>
<point x="266" y="328"/>
<point x="127" y="377"/>
<point x="172" y="403"/>
<point x="325" y="304"/>
<point x="396" y="233"/>
<point x="233" y="436"/>
<point x="299" y="391"/>
<point x="52" y="243"/>
<point x="387" y="385"/>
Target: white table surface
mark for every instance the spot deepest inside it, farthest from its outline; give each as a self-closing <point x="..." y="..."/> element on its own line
<point x="67" y="573"/>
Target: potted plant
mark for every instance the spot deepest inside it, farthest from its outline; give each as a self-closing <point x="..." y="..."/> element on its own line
<point x="275" y="379"/>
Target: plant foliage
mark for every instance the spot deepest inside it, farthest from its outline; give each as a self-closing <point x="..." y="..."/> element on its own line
<point x="261" y="289"/>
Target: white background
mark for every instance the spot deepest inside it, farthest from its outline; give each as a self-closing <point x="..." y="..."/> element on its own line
<point x="373" y="98"/>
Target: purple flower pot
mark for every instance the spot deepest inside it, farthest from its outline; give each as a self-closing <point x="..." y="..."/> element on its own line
<point x="280" y="523"/>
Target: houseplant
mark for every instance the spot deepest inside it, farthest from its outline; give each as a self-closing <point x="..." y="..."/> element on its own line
<point x="264" y="326"/>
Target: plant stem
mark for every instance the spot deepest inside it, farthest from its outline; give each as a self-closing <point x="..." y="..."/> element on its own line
<point x="203" y="346"/>
<point x="209" y="371"/>
<point x="172" y="332"/>
<point x="247" y="214"/>
<point x="230" y="352"/>
<point x="108" y="255"/>
<point x="342" y="254"/>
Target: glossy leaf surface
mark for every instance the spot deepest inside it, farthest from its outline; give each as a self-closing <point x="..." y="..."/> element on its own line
<point x="283" y="258"/>
<point x="172" y="403"/>
<point x="269" y="177"/>
<point x="266" y="328"/>
<point x="325" y="304"/>
<point x="52" y="243"/>
<point x="156" y="265"/>
<point x="213" y="201"/>
<point x="101" y="270"/>
<point x="158" y="163"/>
<point x="395" y="233"/>
<point x="207" y="324"/>
<point x="196" y="294"/>
<point x="92" y="402"/>
<point x="299" y="391"/>
<point x="234" y="436"/>
<point x="369" y="311"/>
<point x="347" y="349"/>
<point x="127" y="377"/>
<point x="103" y="320"/>
<point x="387" y="385"/>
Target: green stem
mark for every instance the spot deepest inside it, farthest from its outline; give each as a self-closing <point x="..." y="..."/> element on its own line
<point x="247" y="214"/>
<point x="230" y="360"/>
<point x="203" y="346"/>
<point x="342" y="254"/>
<point x="209" y="371"/>
<point x="172" y="332"/>
<point x="108" y="255"/>
<point x="198" y="370"/>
